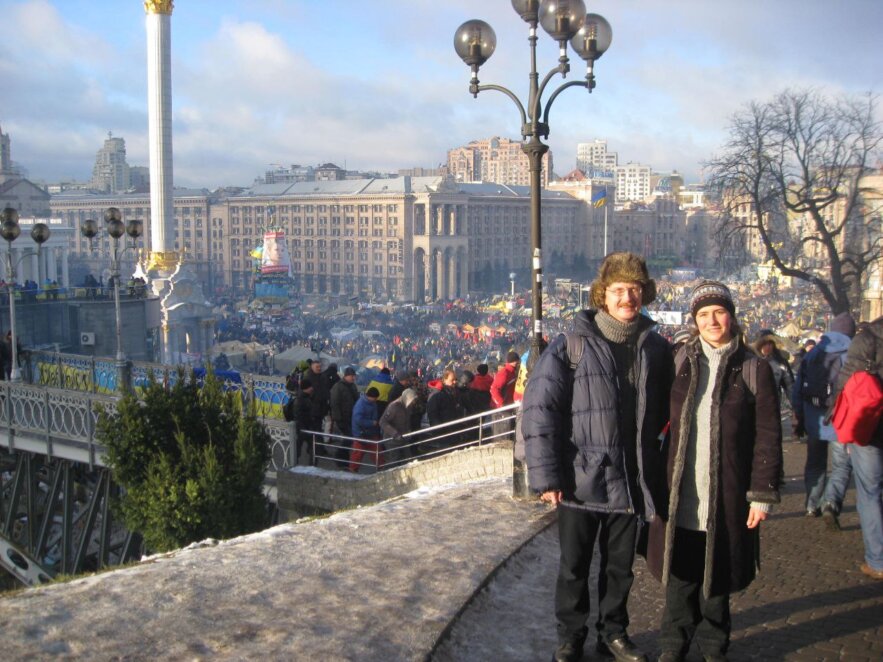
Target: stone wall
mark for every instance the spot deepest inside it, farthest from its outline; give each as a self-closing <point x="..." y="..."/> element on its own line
<point x="309" y="491"/>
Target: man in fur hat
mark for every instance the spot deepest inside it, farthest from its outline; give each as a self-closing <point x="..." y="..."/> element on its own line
<point x="592" y="448"/>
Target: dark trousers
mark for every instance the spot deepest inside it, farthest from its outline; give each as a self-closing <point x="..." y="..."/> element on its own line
<point x="688" y="614"/>
<point x="616" y="534"/>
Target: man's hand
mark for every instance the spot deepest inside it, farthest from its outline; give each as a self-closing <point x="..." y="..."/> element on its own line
<point x="553" y="497"/>
<point x="755" y="517"/>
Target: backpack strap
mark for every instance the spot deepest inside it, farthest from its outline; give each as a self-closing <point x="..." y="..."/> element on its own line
<point x="749" y="374"/>
<point x="574" y="348"/>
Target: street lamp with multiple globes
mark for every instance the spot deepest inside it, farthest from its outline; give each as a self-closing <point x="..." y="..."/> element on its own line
<point x="589" y="36"/>
<point x="116" y="229"/>
<point x="10" y="230"/>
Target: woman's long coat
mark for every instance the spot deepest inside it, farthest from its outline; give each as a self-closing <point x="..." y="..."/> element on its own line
<point x="746" y="458"/>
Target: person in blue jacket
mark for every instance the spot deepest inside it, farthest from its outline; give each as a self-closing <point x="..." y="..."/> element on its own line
<point x="366" y="425"/>
<point x="811" y="399"/>
<point x="592" y="448"/>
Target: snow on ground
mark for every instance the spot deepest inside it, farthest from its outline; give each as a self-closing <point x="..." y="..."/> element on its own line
<point x="376" y="583"/>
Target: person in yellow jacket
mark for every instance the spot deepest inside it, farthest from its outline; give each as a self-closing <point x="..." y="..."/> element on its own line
<point x="383" y="382"/>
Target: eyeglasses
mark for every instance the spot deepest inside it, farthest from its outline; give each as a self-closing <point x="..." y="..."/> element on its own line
<point x="620" y="292"/>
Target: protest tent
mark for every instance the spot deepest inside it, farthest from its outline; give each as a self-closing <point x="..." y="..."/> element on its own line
<point x="293" y="356"/>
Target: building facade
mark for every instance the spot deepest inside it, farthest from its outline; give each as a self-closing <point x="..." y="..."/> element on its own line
<point x="593" y="158"/>
<point x="197" y="236"/>
<point x="110" y="174"/>
<point x="632" y="183"/>
<point x="497" y="160"/>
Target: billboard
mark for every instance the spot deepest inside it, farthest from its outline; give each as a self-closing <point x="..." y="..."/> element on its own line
<point x="275" y="259"/>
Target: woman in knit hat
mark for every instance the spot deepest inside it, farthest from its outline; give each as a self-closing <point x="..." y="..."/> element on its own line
<point x="722" y="464"/>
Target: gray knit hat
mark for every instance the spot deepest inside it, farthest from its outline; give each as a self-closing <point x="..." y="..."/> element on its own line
<point x="711" y="292"/>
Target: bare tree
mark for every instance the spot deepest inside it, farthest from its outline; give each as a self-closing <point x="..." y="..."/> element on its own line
<point x="791" y="175"/>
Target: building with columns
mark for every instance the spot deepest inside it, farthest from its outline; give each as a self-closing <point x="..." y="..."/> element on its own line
<point x="51" y="264"/>
<point x="193" y="235"/>
<point x="400" y="239"/>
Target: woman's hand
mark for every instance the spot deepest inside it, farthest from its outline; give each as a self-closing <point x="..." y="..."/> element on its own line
<point x="755" y="517"/>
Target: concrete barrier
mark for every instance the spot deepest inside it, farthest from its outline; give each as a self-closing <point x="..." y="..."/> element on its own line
<point x="306" y="491"/>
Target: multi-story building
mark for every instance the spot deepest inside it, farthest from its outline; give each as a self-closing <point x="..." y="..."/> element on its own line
<point x="497" y="160"/>
<point x="110" y="174"/>
<point x="408" y="238"/>
<point x="197" y="235"/>
<point x="593" y="158"/>
<point x="5" y="155"/>
<point x="656" y="230"/>
<point x="17" y="192"/>
<point x="632" y="183"/>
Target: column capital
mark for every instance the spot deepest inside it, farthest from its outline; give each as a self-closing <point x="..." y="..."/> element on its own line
<point x="158" y="6"/>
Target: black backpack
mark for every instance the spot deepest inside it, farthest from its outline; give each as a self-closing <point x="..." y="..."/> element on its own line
<point x="819" y="371"/>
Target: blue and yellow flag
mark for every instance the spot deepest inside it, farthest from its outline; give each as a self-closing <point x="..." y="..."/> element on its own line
<point x="599" y="198"/>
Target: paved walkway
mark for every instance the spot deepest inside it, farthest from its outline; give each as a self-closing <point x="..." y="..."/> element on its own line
<point x="810" y="602"/>
<point x="386" y="583"/>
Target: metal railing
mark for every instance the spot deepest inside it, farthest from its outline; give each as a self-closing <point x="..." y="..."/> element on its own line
<point x="90" y="374"/>
<point x="59" y="406"/>
<point x="341" y="452"/>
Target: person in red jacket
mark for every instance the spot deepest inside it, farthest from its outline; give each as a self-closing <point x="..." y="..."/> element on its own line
<point x="503" y="388"/>
<point x="482" y="381"/>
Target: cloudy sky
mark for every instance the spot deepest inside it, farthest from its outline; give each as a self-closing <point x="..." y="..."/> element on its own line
<point x="377" y="85"/>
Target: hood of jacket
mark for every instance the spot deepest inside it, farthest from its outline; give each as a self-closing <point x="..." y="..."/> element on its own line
<point x="834" y="342"/>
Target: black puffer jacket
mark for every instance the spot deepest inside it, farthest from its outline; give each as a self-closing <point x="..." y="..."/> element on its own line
<point x="570" y="421"/>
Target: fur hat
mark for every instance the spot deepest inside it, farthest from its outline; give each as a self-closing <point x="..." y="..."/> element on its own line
<point x="622" y="268"/>
<point x="708" y="293"/>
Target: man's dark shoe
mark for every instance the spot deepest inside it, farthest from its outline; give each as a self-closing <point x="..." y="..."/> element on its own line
<point x="622" y="649"/>
<point x="813" y="512"/>
<point x="570" y="651"/>
<point x="671" y="656"/>
<point x="830" y="517"/>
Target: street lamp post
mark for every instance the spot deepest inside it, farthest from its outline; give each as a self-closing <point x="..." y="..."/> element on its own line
<point x="589" y="36"/>
<point x="10" y="230"/>
<point x="116" y="229"/>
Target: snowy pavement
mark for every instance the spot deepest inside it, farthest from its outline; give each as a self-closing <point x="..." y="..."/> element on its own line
<point x="419" y="578"/>
<point x="376" y="583"/>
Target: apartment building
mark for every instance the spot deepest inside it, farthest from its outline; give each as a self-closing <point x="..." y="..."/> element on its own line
<point x="632" y="183"/>
<point x="497" y="160"/>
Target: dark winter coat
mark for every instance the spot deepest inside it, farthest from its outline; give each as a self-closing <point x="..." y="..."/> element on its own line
<point x="444" y="406"/>
<point x="865" y="352"/>
<point x="571" y="421"/>
<point x="343" y="398"/>
<point x="746" y="457"/>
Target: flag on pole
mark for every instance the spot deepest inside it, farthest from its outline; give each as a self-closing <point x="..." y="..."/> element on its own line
<point x="599" y="198"/>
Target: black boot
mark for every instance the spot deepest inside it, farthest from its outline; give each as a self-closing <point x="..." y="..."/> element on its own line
<point x="622" y="649"/>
